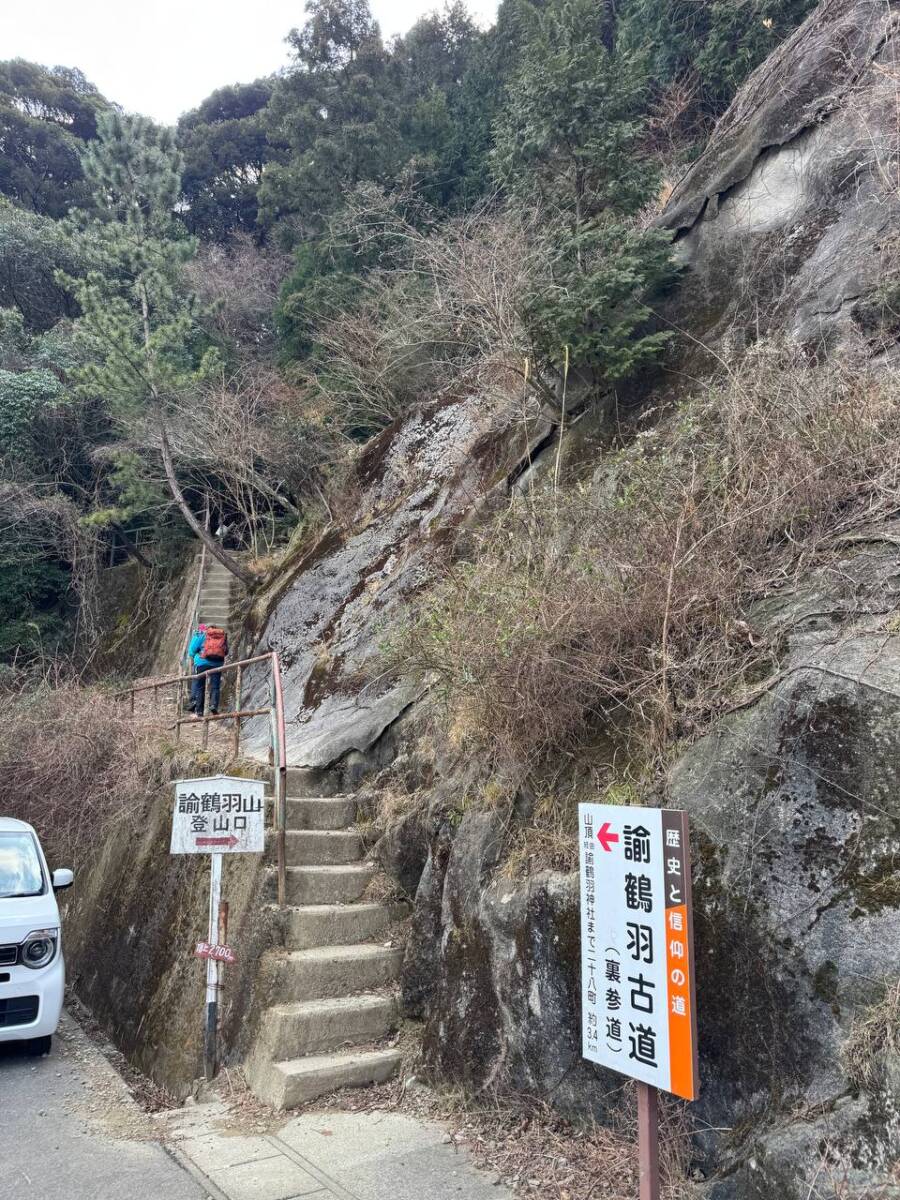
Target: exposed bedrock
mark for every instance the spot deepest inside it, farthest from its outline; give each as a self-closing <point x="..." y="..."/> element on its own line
<point x="789" y="217"/>
<point x="416" y="485"/>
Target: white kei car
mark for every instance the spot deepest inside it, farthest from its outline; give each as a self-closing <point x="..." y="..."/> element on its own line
<point x="32" y="972"/>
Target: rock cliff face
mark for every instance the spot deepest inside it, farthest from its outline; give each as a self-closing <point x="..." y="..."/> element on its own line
<point x="796" y="819"/>
<point x="416" y="484"/>
<point x="789" y="218"/>
<point x="786" y="223"/>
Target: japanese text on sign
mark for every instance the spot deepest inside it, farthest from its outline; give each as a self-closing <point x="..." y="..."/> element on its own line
<point x="219" y="815"/>
<point x="637" y="955"/>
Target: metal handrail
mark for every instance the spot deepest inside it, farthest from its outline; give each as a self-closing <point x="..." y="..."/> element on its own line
<point x="194" y="616"/>
<point x="277" y="731"/>
<point x="280" y="747"/>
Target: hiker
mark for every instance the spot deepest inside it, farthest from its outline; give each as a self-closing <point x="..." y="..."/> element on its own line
<point x="208" y="648"/>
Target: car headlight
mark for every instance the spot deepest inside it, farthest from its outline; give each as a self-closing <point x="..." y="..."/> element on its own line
<point x="39" y="948"/>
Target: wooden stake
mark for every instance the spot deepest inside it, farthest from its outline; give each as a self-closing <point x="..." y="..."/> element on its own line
<point x="648" y="1141"/>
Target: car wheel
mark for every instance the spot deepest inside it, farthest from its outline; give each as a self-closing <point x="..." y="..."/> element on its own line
<point x="37" y="1047"/>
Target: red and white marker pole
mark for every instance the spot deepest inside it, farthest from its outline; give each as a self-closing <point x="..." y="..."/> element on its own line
<point x="212" y="970"/>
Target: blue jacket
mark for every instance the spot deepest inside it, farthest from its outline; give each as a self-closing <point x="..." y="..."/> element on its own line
<point x="195" y="652"/>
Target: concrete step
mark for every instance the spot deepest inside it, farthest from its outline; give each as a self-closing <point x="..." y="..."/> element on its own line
<point x="318" y="847"/>
<point x="327" y="885"/>
<point x="316" y="1026"/>
<point x="330" y="971"/>
<point x="320" y="812"/>
<point x="339" y="924"/>
<point x="296" y="1081"/>
<point x="311" y="781"/>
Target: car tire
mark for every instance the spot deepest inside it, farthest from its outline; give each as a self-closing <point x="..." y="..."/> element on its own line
<point x="37" y="1047"/>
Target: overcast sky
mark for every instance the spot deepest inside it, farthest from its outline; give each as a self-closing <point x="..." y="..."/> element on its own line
<point x="162" y="57"/>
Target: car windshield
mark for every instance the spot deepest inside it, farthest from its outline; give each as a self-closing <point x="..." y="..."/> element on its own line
<point x="20" y="866"/>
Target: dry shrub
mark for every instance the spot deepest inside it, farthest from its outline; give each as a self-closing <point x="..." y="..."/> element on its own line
<point x="628" y="600"/>
<point x="239" y="283"/>
<point x="873" y="1041"/>
<point x="248" y="439"/>
<point x="444" y="314"/>
<point x="72" y="765"/>
<point x="536" y="1152"/>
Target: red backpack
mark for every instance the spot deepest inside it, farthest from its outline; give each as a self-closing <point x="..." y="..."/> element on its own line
<point x="215" y="644"/>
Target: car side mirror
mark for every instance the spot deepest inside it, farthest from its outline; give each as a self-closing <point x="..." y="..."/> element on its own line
<point x="62" y="878"/>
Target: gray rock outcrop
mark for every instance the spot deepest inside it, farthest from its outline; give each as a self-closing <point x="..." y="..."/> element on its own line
<point x="789" y="219"/>
<point x="417" y="483"/>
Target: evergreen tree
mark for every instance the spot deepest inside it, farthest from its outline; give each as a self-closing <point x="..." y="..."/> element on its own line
<point x="568" y="137"/>
<point x="33" y="249"/>
<point x="225" y="150"/>
<point x="716" y="45"/>
<point x="335" y="115"/>
<point x="569" y="140"/>
<point x="138" y="320"/>
<point x="46" y="116"/>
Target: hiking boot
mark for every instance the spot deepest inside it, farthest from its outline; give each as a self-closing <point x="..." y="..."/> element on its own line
<point x="213" y="712"/>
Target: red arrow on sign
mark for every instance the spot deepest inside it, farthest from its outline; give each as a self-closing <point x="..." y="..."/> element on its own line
<point x="231" y="840"/>
<point x="605" y="838"/>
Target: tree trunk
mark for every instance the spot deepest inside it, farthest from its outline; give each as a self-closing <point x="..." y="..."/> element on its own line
<point x="204" y="535"/>
<point x="130" y="547"/>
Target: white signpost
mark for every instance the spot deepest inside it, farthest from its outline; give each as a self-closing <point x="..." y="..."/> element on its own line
<point x="637" y="958"/>
<point x="216" y="815"/>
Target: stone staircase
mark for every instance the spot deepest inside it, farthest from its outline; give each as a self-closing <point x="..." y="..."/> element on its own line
<point x="333" y="986"/>
<point x="219" y="590"/>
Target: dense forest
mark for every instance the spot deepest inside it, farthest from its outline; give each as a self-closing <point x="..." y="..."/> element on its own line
<point x="199" y="324"/>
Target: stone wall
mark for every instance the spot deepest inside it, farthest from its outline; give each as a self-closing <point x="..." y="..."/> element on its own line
<point x="130" y="924"/>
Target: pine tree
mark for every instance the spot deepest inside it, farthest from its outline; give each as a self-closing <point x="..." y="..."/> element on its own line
<point x="139" y="319"/>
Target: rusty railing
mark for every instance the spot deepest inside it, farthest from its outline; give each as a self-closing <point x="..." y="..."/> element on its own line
<point x="277" y="731"/>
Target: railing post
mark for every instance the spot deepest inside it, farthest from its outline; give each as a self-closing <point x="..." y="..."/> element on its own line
<point x="238" y="690"/>
<point x="280" y="763"/>
<point x="131" y="694"/>
<point x="205" y="741"/>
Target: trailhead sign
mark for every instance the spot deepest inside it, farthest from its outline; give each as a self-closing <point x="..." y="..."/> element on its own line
<point x="638" y="1003"/>
<point x="219" y="815"/>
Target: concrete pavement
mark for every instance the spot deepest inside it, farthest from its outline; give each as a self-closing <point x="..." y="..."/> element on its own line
<point x="71" y="1130"/>
<point x="329" y="1155"/>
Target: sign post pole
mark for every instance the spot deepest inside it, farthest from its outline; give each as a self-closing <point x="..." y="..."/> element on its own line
<point x="639" y="1006"/>
<point x="217" y="815"/>
<point x="648" y="1141"/>
<point x="212" y="968"/>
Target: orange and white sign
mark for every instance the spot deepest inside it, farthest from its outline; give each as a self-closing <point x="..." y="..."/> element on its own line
<point x="637" y="954"/>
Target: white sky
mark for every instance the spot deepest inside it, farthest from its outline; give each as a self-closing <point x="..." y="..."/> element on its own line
<point x="162" y="57"/>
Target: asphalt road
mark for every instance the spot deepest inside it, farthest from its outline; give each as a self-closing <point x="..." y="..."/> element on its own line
<point x="69" y="1130"/>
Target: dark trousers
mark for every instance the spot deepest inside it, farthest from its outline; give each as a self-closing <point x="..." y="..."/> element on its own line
<point x="198" y="689"/>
